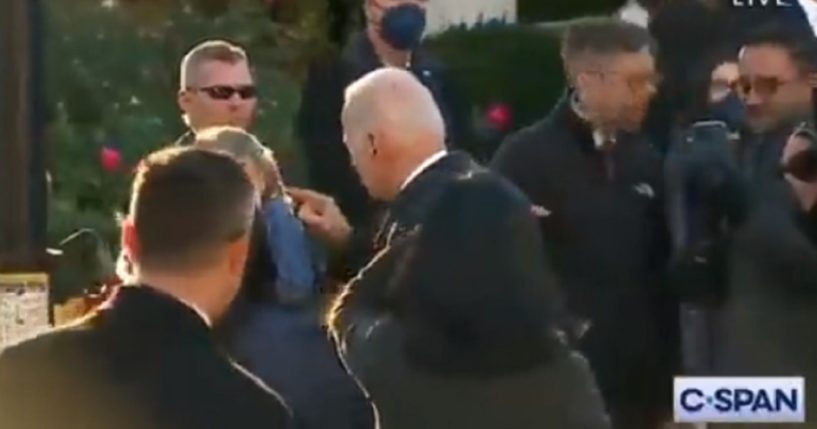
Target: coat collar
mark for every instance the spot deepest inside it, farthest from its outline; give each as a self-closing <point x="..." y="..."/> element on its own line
<point x="145" y="309"/>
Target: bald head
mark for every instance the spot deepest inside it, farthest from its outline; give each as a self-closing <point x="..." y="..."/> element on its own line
<point x="391" y="124"/>
<point x="395" y="100"/>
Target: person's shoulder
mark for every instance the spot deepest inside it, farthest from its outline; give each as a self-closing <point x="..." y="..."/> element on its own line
<point x="261" y="404"/>
<point x="425" y="59"/>
<point x="258" y="398"/>
<point x="186" y="139"/>
<point x="52" y="350"/>
<point x="62" y="336"/>
<point x="530" y="141"/>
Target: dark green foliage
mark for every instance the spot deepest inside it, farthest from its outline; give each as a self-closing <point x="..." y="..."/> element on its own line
<point x="516" y="65"/>
<point x="112" y="80"/>
<point x="558" y="10"/>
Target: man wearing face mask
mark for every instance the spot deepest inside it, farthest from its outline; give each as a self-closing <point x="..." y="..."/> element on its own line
<point x="394" y="29"/>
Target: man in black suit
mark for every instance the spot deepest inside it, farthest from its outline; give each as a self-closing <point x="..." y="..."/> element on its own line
<point x="597" y="186"/>
<point x="146" y="359"/>
<point x="395" y="136"/>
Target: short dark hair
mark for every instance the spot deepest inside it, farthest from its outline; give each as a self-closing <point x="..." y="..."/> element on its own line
<point x="602" y="36"/>
<point x="801" y="46"/>
<point x="211" y="50"/>
<point x="185" y="203"/>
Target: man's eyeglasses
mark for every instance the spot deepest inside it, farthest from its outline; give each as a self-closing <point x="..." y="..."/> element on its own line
<point x="226" y="92"/>
<point x="763" y="86"/>
<point x="634" y="82"/>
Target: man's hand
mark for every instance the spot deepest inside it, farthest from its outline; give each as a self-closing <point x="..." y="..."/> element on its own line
<point x="322" y="216"/>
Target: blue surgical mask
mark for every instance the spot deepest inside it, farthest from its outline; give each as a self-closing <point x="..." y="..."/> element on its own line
<point x="402" y="26"/>
<point x="731" y="111"/>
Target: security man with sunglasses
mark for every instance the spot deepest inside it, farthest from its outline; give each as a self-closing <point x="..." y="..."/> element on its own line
<point x="216" y="88"/>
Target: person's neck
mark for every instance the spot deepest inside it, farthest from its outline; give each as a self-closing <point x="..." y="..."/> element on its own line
<point x="388" y="56"/>
<point x="585" y="115"/>
<point x="409" y="169"/>
<point x="178" y="286"/>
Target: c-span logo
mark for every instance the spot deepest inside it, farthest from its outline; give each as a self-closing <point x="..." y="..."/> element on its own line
<point x="739" y="400"/>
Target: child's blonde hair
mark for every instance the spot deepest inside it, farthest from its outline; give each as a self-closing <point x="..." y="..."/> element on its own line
<point x="244" y="147"/>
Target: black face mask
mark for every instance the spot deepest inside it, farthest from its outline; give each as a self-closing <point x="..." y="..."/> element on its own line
<point x="730" y="110"/>
<point x="402" y="26"/>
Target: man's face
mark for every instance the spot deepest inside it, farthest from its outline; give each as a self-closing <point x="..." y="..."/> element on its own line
<point x="224" y="94"/>
<point x="616" y="90"/>
<point x="773" y="88"/>
<point x="375" y="9"/>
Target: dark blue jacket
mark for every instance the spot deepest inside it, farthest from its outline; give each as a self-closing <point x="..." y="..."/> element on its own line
<point x="286" y="347"/>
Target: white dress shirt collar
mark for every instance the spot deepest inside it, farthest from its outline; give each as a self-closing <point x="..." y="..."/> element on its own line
<point x="423" y="167"/>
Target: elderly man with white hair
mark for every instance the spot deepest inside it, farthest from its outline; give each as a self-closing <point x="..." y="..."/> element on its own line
<point x="395" y="135"/>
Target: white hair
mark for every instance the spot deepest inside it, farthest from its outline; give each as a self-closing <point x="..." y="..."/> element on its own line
<point x="394" y="97"/>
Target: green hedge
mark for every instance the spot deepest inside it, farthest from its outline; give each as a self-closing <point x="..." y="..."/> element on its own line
<point x="112" y="82"/>
<point x="516" y="65"/>
<point x="557" y="10"/>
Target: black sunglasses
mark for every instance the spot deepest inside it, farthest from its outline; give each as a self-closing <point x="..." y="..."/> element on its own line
<point x="763" y="86"/>
<point x="226" y="92"/>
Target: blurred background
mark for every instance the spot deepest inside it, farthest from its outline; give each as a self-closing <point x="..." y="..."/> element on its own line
<point x="111" y="68"/>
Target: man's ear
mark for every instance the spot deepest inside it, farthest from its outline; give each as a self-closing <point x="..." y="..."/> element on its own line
<point x="130" y="239"/>
<point x="237" y="254"/>
<point x="184" y="98"/>
<point x="371" y="144"/>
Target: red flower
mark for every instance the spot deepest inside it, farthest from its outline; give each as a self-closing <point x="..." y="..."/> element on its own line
<point x="111" y="159"/>
<point x="500" y="116"/>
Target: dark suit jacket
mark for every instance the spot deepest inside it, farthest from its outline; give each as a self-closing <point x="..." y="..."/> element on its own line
<point x="144" y="362"/>
<point x="403" y="216"/>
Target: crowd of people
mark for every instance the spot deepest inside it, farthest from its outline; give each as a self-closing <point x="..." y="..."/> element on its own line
<point x="645" y="228"/>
